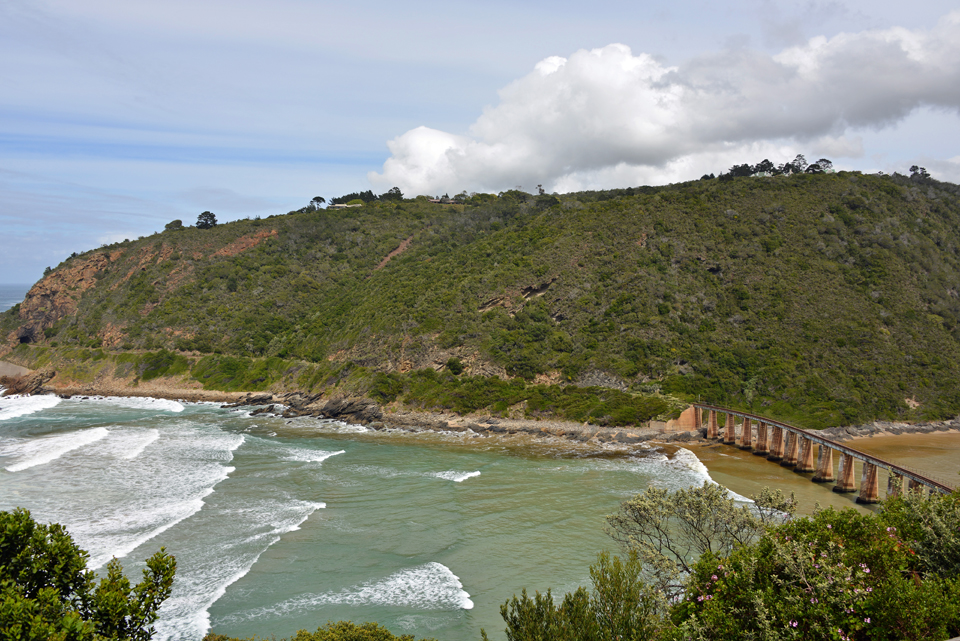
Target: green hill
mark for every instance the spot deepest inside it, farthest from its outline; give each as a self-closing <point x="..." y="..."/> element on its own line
<point x="827" y="299"/>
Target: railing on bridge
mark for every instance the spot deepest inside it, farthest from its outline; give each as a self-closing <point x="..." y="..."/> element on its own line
<point x="794" y="447"/>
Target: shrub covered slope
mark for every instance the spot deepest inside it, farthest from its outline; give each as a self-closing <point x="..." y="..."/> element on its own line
<point x="827" y="299"/>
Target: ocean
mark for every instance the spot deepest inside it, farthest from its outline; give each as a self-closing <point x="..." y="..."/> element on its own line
<point x="10" y="295"/>
<point x="279" y="525"/>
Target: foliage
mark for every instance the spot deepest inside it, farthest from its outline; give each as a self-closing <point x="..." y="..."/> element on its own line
<point x="823" y="299"/>
<point x="339" y="631"/>
<point x="46" y="592"/>
<point x="174" y="225"/>
<point x="206" y="220"/>
<point x="669" y="531"/>
<point x="152" y="365"/>
<point x="836" y="575"/>
<point x="363" y="196"/>
<point x="932" y="524"/>
<point x="620" y="606"/>
<point x="465" y="394"/>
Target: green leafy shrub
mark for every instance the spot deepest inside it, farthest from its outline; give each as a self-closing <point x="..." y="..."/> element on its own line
<point x="46" y="592"/>
<point x="339" y="631"/>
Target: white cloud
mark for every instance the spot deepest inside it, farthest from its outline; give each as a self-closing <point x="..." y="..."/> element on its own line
<point x="607" y="117"/>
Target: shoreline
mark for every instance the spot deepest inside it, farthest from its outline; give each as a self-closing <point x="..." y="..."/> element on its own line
<point x="366" y="412"/>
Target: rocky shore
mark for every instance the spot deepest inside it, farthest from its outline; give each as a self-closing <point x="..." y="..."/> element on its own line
<point x="882" y="428"/>
<point x="366" y="412"/>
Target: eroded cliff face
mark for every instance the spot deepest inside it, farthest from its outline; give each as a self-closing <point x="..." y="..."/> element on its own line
<point x="56" y="296"/>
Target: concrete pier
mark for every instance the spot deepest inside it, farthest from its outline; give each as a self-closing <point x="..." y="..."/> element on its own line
<point x="894" y="485"/>
<point x="761" y="448"/>
<point x="729" y="431"/>
<point x="792" y="452"/>
<point x="746" y="435"/>
<point x="847" y="482"/>
<point x="869" y="492"/>
<point x="805" y="460"/>
<point x="777" y="447"/>
<point x="824" y="472"/>
<point x="712" y="430"/>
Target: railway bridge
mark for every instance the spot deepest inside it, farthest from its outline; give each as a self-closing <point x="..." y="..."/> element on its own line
<point x="794" y="447"/>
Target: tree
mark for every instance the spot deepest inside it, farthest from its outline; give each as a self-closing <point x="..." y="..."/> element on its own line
<point x="316" y="201"/>
<point x="206" y="220"/>
<point x="174" y="225"/>
<point x="46" y="591"/>
<point x="393" y="193"/>
<point x="621" y="606"/>
<point x="670" y="531"/>
<point x="339" y="631"/>
<point x="765" y="166"/>
<point x="918" y="173"/>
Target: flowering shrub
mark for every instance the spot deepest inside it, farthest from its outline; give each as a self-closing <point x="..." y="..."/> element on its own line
<point x="836" y="575"/>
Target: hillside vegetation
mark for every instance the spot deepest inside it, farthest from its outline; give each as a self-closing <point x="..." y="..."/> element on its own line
<point x="825" y="299"/>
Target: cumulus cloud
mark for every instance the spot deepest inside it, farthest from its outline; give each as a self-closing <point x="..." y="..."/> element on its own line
<point x="607" y="117"/>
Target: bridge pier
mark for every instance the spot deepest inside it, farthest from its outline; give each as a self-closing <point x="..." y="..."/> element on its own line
<point x="712" y="430"/>
<point x="761" y="449"/>
<point x="824" y="466"/>
<point x="846" y="483"/>
<point x="869" y="492"/>
<point x="805" y="460"/>
<point x="746" y="435"/>
<point x="915" y="486"/>
<point x="729" y="431"/>
<point x="776" y="450"/>
<point x="792" y="451"/>
<point x="894" y="485"/>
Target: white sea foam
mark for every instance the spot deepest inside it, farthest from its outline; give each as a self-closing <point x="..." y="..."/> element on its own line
<point x="20" y="405"/>
<point x="680" y="471"/>
<point x="164" y="486"/>
<point x="167" y="516"/>
<point x="309" y="456"/>
<point x="140" y="403"/>
<point x="45" y="449"/>
<point x="128" y="444"/>
<point x="456" y="477"/>
<point x="185" y="615"/>
<point x="431" y="586"/>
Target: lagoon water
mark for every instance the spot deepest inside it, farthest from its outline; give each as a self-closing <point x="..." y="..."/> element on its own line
<point x="282" y="525"/>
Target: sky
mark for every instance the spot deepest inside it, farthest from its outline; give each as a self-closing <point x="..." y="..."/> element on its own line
<point x="119" y="117"/>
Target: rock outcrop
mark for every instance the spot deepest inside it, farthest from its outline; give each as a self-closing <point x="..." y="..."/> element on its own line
<point x="31" y="383"/>
<point x="365" y="411"/>
<point x="56" y="296"/>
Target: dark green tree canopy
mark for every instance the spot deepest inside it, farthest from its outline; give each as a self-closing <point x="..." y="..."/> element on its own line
<point x="206" y="220"/>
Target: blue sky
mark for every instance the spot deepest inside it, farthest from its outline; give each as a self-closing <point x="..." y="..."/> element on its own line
<point x="117" y="117"/>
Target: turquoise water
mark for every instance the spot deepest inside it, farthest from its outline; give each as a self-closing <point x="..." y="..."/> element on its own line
<point x="281" y="525"/>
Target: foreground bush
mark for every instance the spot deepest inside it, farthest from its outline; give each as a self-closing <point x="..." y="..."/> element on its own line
<point x="47" y="592"/>
<point x="621" y="606"/>
<point x="701" y="567"/>
<point x="836" y="575"/>
<point x="339" y="631"/>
